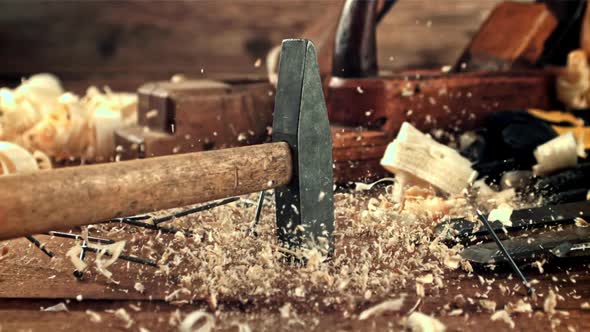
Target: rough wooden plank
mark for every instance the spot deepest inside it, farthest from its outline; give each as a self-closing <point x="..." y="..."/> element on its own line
<point x="436" y="101"/>
<point x="25" y="287"/>
<point x="513" y="35"/>
<point x="153" y="41"/>
<point x="428" y="34"/>
<point x="125" y="43"/>
<point x="156" y="318"/>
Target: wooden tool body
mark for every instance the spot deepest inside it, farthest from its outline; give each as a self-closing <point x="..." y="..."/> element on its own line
<point x="197" y="115"/>
<point x="63" y="198"/>
<point x="358" y="94"/>
<point x="513" y="35"/>
<point x="434" y="100"/>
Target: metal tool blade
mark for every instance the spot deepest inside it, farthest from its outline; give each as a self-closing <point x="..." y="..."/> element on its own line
<point x="521" y="219"/>
<point x="305" y="207"/>
<point x="523" y="248"/>
<point x="568" y="249"/>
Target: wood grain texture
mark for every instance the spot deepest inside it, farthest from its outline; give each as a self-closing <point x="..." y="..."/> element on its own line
<point x="63" y="198"/>
<point x="29" y="280"/>
<point x="513" y="35"/>
<point x="125" y="43"/>
<point x="434" y="100"/>
<point x="357" y="154"/>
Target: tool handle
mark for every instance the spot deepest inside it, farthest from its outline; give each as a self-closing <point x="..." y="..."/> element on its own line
<point x="63" y="198"/>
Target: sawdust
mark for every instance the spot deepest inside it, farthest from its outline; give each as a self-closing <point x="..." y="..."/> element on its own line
<point x="520" y="306"/>
<point x="502" y="214"/>
<point x="124" y="316"/>
<point x="56" y="308"/>
<point x="188" y="324"/>
<point x="139" y="287"/>
<point x="378" y="249"/>
<point x="487" y="305"/>
<point x="419" y="322"/>
<point x="113" y="251"/>
<point x="94" y="316"/>
<point x="504" y="316"/>
<point x="387" y="306"/>
<point x="550" y="302"/>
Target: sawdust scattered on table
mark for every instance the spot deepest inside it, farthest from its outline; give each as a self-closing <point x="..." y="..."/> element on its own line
<point x="378" y="251"/>
<point x="381" y="252"/>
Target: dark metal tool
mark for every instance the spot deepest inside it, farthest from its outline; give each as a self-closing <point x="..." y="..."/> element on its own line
<point x="560" y="243"/>
<point x="481" y="216"/>
<point x="505" y="252"/>
<point x="568" y="249"/>
<point x="305" y="206"/>
<point x="153" y="223"/>
<point x="521" y="219"/>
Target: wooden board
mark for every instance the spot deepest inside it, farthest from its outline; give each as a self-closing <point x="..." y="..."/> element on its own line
<point x="197" y="115"/>
<point x="432" y="100"/>
<point x="28" y="281"/>
<point x="513" y="35"/>
<point x="126" y="43"/>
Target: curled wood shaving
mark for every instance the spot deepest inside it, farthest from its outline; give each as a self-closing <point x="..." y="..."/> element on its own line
<point x="124" y="316"/>
<point x="57" y="308"/>
<point x="419" y="322"/>
<point x="425" y="279"/>
<point x="94" y="316"/>
<point x="559" y="153"/>
<point x="452" y="261"/>
<point x="387" y="306"/>
<point x="139" y="287"/>
<point x="550" y="303"/>
<point x="519" y="306"/>
<point x="414" y="155"/>
<point x="502" y="214"/>
<point x="175" y="295"/>
<point x="74" y="255"/>
<point x="40" y="115"/>
<point x="359" y="186"/>
<point x="188" y="324"/>
<point x="113" y="251"/>
<point x="573" y="82"/>
<point x="487" y="305"/>
<point x="420" y="291"/>
<point x="286" y="310"/>
<point x="581" y="222"/>
<point x="539" y="265"/>
<point x="504" y="316"/>
<point x="15" y="159"/>
<point x="243" y="327"/>
<point x="585" y="305"/>
<point x="456" y="312"/>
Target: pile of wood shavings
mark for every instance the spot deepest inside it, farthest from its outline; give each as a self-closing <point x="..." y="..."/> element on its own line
<point x="379" y="251"/>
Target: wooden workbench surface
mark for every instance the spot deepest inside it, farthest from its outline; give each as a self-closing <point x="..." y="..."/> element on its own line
<point x="29" y="280"/>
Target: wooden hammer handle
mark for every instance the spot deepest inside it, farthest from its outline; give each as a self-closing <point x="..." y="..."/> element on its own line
<point x="63" y="198"/>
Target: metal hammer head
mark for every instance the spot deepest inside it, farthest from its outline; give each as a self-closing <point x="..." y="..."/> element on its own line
<point x="305" y="206"/>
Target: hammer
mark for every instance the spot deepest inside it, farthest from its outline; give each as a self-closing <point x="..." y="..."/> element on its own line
<point x="297" y="164"/>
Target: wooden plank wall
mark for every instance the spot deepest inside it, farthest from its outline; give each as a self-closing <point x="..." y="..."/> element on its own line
<point x="126" y="42"/>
